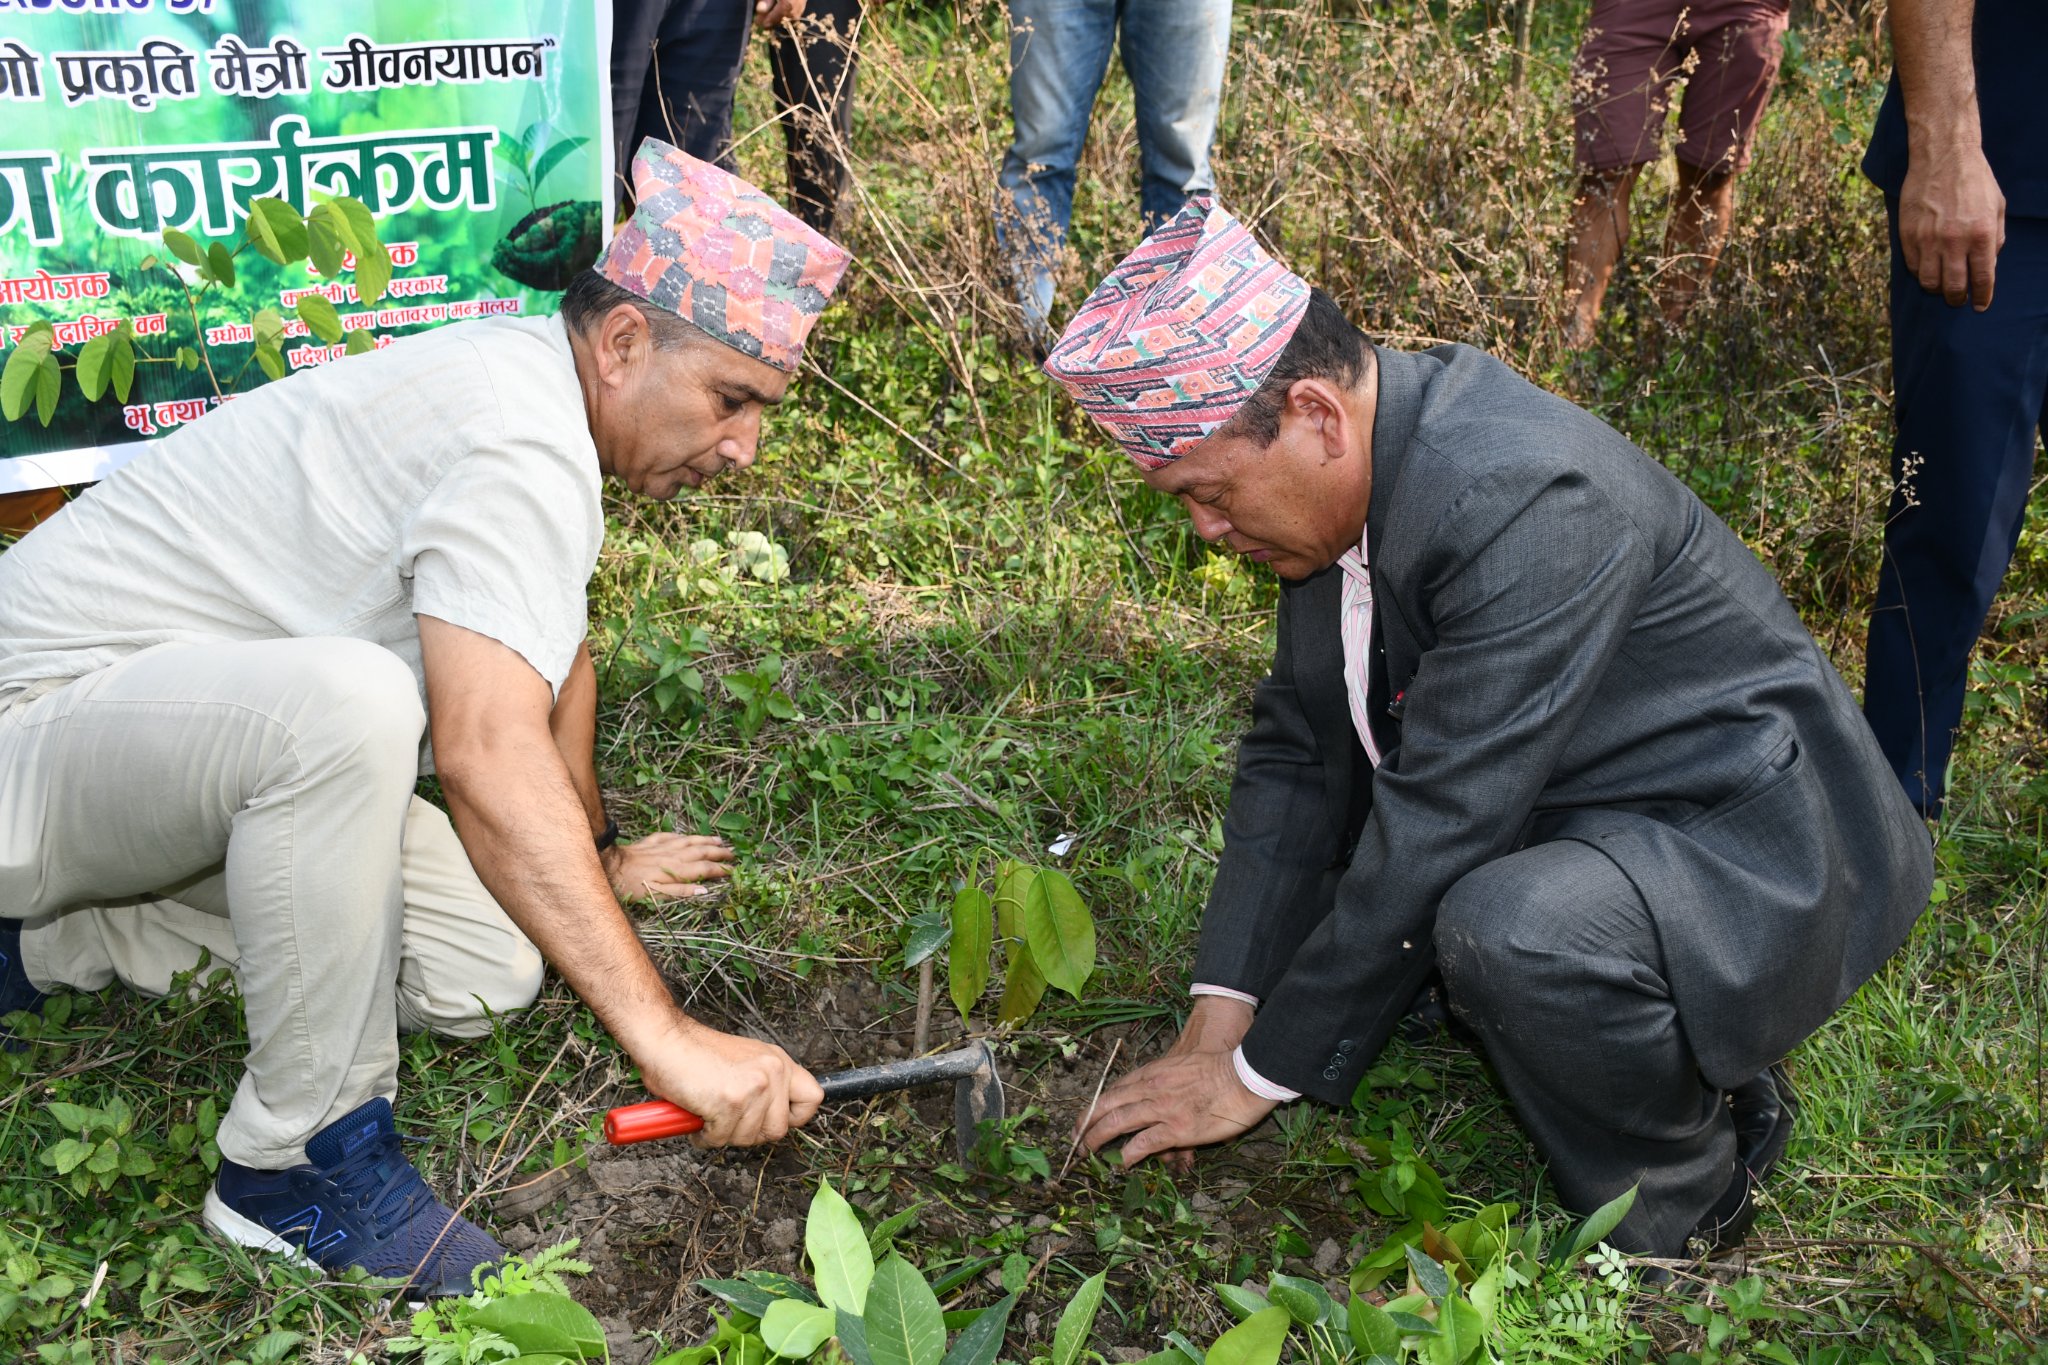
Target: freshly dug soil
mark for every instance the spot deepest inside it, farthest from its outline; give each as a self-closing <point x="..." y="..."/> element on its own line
<point x="656" y="1218"/>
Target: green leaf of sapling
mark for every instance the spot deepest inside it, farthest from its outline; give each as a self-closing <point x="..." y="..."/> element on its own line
<point x="1594" y="1230"/>
<point x="840" y="1257"/>
<point x="1255" y="1341"/>
<point x="1077" y="1320"/>
<point x="21" y="376"/>
<point x="1372" y="1331"/>
<point x="797" y="1329"/>
<point x="123" y="368"/>
<point x="967" y="962"/>
<point x="49" y="383"/>
<point x="543" y="1322"/>
<point x="320" y="318"/>
<point x="1433" y="1279"/>
<point x="277" y="231"/>
<point x="184" y="246"/>
<point x="95" y="361"/>
<point x="981" y="1341"/>
<point x="1242" y="1302"/>
<point x="1059" y="931"/>
<point x="902" y="1321"/>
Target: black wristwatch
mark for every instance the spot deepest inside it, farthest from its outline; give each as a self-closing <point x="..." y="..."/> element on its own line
<point x="610" y="835"/>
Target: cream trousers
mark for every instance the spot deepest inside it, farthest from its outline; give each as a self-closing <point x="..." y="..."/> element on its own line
<point x="255" y="799"/>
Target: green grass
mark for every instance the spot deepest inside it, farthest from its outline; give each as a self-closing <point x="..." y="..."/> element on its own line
<point x="994" y="635"/>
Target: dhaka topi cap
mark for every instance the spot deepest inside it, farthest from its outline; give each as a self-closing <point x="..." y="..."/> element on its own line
<point x="710" y="247"/>
<point x="1180" y="334"/>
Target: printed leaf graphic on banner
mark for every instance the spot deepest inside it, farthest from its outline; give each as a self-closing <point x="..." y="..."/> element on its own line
<point x="554" y="156"/>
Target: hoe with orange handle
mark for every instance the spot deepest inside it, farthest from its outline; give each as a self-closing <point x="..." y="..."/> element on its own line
<point x="977" y="1097"/>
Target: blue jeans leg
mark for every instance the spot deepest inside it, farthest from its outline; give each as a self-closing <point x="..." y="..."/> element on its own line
<point x="1174" y="51"/>
<point x="1971" y="389"/>
<point x="1059" y="52"/>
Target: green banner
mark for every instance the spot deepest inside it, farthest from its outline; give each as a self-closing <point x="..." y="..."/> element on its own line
<point x="478" y="134"/>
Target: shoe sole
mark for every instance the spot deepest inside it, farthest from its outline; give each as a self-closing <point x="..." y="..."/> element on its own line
<point x="243" y="1232"/>
<point x="232" y="1227"/>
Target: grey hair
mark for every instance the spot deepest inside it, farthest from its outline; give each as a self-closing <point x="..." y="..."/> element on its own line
<point x="590" y="299"/>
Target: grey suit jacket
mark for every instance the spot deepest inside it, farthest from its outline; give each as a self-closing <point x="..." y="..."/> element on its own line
<point x="1581" y="651"/>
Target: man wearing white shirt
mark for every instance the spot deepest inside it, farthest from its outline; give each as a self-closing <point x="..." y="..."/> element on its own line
<point x="223" y="670"/>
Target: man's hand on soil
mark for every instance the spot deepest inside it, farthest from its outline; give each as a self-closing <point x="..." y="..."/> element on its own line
<point x="747" y="1092"/>
<point x="1189" y="1098"/>
<point x="666" y="866"/>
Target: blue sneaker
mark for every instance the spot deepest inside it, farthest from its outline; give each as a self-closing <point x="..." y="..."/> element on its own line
<point x="356" y="1203"/>
<point x="17" y="992"/>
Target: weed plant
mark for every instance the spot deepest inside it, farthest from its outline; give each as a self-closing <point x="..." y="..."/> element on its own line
<point x="941" y="619"/>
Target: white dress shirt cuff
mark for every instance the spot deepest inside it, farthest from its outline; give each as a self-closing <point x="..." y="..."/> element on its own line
<point x="1200" y="988"/>
<point x="1258" y="1084"/>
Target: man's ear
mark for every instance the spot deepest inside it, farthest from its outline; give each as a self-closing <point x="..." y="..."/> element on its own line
<point x="1318" y="403"/>
<point x="622" y="342"/>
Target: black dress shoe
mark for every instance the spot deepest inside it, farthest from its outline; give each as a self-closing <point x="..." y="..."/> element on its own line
<point x="1765" y="1109"/>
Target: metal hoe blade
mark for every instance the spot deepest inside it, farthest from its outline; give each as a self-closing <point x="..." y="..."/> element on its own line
<point x="977" y="1089"/>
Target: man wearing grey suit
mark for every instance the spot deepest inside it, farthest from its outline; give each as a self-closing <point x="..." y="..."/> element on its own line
<point x="1536" y="721"/>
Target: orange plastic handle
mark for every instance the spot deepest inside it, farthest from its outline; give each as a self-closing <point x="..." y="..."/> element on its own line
<point x="647" y="1121"/>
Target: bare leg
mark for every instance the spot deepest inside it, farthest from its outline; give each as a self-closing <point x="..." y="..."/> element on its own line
<point x="1701" y="214"/>
<point x="1599" y="227"/>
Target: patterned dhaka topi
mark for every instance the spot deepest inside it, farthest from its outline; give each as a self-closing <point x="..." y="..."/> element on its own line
<point x="708" y="246"/>
<point x="1185" y="329"/>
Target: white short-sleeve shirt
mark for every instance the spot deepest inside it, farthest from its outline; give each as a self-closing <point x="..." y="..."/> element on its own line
<point x="451" y="474"/>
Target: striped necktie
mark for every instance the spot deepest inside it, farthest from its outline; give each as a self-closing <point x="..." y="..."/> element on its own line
<point x="1356" y="625"/>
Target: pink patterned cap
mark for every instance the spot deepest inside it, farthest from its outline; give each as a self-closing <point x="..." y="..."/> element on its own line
<point x="1180" y="334"/>
<point x="708" y="246"/>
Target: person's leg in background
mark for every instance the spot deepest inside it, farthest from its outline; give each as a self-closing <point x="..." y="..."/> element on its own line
<point x="1175" y="52"/>
<point x="289" y="764"/>
<point x="635" y="25"/>
<point x="815" y="64"/>
<point x="1059" y="53"/>
<point x="1725" y="98"/>
<point x="1621" y="92"/>
<point x="699" y="48"/>
<point x="1970" y="395"/>
<point x="1551" y="957"/>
